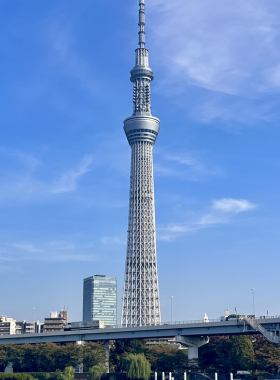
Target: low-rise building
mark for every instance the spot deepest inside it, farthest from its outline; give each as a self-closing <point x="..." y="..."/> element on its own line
<point x="23" y="327"/>
<point x="7" y="325"/>
<point x="20" y="327"/>
<point x="56" y="322"/>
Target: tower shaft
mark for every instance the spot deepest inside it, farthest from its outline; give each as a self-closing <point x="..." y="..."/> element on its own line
<point x="141" y="294"/>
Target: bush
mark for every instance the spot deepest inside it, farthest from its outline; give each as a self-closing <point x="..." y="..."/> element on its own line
<point x="68" y="373"/>
<point x="18" y="376"/>
<point x="97" y="371"/>
<point x="44" y="375"/>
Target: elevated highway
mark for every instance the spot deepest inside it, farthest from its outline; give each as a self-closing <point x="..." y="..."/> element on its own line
<point x="192" y="334"/>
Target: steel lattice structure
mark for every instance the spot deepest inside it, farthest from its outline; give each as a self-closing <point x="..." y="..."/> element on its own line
<point x="141" y="294"/>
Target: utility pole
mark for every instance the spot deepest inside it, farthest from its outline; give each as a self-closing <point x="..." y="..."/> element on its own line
<point x="171" y="297"/>
<point x="253" y="290"/>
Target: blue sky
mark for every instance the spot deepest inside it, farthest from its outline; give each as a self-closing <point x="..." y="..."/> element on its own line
<point x="65" y="161"/>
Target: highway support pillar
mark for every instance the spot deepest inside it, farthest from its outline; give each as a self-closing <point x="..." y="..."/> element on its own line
<point x="192" y="342"/>
<point x="80" y="366"/>
<point x="107" y="355"/>
<point x="9" y="368"/>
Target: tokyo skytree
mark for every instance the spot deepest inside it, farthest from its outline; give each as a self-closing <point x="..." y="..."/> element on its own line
<point x="141" y="294"/>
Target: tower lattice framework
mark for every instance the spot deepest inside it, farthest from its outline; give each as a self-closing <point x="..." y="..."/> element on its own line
<point x="141" y="294"/>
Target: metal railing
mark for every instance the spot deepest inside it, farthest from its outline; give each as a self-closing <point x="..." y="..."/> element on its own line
<point x="220" y="320"/>
<point x="257" y="326"/>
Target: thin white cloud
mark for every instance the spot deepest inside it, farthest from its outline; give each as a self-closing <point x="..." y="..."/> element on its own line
<point x="62" y="41"/>
<point x="113" y="240"/>
<point x="26" y="247"/>
<point x="52" y="251"/>
<point x="68" y="181"/>
<point x="229" y="50"/>
<point x="225" y="47"/>
<point x="222" y="211"/>
<point x="233" y="205"/>
<point x="21" y="180"/>
<point x="184" y="165"/>
<point x="6" y="269"/>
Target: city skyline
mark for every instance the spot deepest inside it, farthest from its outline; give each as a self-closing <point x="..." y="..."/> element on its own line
<point x="64" y="164"/>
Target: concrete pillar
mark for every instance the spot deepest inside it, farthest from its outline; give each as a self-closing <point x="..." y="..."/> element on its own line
<point x="170" y="376"/>
<point x="80" y="366"/>
<point x="185" y="375"/>
<point x="9" y="368"/>
<point x="192" y="342"/>
<point x="163" y="376"/>
<point x="107" y="354"/>
<point x="155" y="375"/>
<point x="216" y="376"/>
<point x="231" y="376"/>
<point x="193" y="352"/>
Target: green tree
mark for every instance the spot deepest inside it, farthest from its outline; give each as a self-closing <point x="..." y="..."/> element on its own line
<point x="123" y="347"/>
<point x="68" y="373"/>
<point x="67" y="355"/>
<point x="165" y="358"/>
<point x="15" y="354"/>
<point x="228" y="354"/>
<point x="214" y="355"/>
<point x="97" y="371"/>
<point x="137" y="366"/>
<point x="3" y="359"/>
<point x="241" y="353"/>
<point x="93" y="353"/>
<point x="267" y="355"/>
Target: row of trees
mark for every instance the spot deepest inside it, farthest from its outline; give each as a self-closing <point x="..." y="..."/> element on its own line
<point x="49" y="357"/>
<point x="230" y="354"/>
<point x="227" y="354"/>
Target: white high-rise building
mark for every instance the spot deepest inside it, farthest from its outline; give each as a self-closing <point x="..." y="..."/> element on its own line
<point x="141" y="293"/>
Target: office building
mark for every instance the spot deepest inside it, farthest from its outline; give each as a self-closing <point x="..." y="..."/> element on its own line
<point x="100" y="299"/>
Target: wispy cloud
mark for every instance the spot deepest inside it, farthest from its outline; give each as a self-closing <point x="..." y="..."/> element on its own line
<point x="27" y="247"/>
<point x="6" y="269"/>
<point x="221" y="47"/>
<point x="231" y="205"/>
<point x="113" y="240"/>
<point x="27" y="179"/>
<point x="53" y="251"/>
<point x="184" y="165"/>
<point x="62" y="41"/>
<point x="222" y="211"/>
<point x="228" y="50"/>
<point x="68" y="181"/>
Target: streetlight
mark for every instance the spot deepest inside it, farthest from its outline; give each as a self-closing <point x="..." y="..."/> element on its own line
<point x="171" y="307"/>
<point x="253" y="290"/>
<point x="33" y="308"/>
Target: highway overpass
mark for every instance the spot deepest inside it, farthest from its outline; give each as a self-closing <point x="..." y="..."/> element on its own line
<point x="192" y="334"/>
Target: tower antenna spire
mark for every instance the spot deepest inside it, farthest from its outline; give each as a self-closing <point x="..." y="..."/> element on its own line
<point x="141" y="23"/>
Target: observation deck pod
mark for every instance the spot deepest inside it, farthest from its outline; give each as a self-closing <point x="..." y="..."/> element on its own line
<point x="141" y="128"/>
<point x="141" y="71"/>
